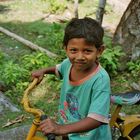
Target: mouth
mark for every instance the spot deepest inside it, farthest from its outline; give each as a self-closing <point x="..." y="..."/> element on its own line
<point x="80" y="63"/>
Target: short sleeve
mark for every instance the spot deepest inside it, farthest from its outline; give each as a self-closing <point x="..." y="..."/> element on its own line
<point x="62" y="68"/>
<point x="100" y="102"/>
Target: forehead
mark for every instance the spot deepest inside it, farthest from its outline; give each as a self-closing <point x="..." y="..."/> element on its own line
<point x="79" y="41"/>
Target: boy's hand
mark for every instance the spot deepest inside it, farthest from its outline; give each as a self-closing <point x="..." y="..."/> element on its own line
<point x="49" y="126"/>
<point x="37" y="74"/>
<point x="40" y="73"/>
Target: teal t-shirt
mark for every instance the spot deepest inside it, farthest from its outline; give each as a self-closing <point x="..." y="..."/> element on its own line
<point x="89" y="97"/>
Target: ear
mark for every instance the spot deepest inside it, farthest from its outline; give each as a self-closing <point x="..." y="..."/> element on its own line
<point x="100" y="50"/>
<point x="65" y="48"/>
<point x="66" y="51"/>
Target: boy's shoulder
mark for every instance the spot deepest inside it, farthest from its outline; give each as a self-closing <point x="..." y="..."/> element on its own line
<point x="66" y="62"/>
<point x="64" y="65"/>
<point x="102" y="72"/>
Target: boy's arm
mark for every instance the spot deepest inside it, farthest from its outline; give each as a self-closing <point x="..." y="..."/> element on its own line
<point x="40" y="73"/>
<point x="48" y="126"/>
<point x="81" y="126"/>
<point x="50" y="70"/>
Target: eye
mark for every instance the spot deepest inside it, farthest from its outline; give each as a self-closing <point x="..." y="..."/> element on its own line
<point x="88" y="51"/>
<point x="73" y="50"/>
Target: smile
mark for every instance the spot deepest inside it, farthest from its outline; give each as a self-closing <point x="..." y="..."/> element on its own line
<point x="80" y="63"/>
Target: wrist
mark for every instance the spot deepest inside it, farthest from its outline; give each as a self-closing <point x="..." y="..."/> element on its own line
<point x="63" y="130"/>
<point x="44" y="71"/>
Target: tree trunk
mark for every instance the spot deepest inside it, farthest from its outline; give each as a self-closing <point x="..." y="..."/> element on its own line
<point x="127" y="33"/>
<point x="100" y="11"/>
<point x="76" y="8"/>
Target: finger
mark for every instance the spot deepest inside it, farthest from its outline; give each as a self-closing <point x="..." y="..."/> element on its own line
<point x="46" y="120"/>
<point x="43" y="126"/>
<point x="46" y="130"/>
<point x="33" y="74"/>
<point x="43" y="122"/>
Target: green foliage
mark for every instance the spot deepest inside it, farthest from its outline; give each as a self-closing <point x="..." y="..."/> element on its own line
<point x="108" y="8"/>
<point x="110" y="57"/>
<point x="36" y="61"/>
<point x="1" y="57"/>
<point x="134" y="68"/>
<point x="12" y="73"/>
<point x="56" y="6"/>
<point x="16" y="75"/>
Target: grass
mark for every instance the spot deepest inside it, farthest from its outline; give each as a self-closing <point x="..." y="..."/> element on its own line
<point x="37" y="32"/>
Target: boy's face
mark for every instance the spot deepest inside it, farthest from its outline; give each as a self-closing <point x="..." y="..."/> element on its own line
<point x="82" y="55"/>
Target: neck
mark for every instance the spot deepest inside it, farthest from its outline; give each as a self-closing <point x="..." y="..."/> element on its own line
<point x="77" y="74"/>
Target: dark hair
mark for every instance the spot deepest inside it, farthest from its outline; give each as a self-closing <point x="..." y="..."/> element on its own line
<point x="87" y="28"/>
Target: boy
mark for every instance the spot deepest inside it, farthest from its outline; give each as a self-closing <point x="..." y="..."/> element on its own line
<point x="85" y="92"/>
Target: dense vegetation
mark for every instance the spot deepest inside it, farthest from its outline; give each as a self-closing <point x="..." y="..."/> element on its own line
<point x="17" y="60"/>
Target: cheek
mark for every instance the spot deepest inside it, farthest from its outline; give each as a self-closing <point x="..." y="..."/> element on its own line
<point x="70" y="56"/>
<point x="92" y="58"/>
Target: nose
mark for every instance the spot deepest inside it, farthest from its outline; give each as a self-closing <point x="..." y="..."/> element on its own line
<point x="80" y="56"/>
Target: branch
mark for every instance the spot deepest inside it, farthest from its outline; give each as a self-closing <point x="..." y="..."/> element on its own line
<point x="19" y="119"/>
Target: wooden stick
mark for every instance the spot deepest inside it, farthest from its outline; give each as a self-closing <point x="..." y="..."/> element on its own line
<point x="27" y="42"/>
<point x="19" y="119"/>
